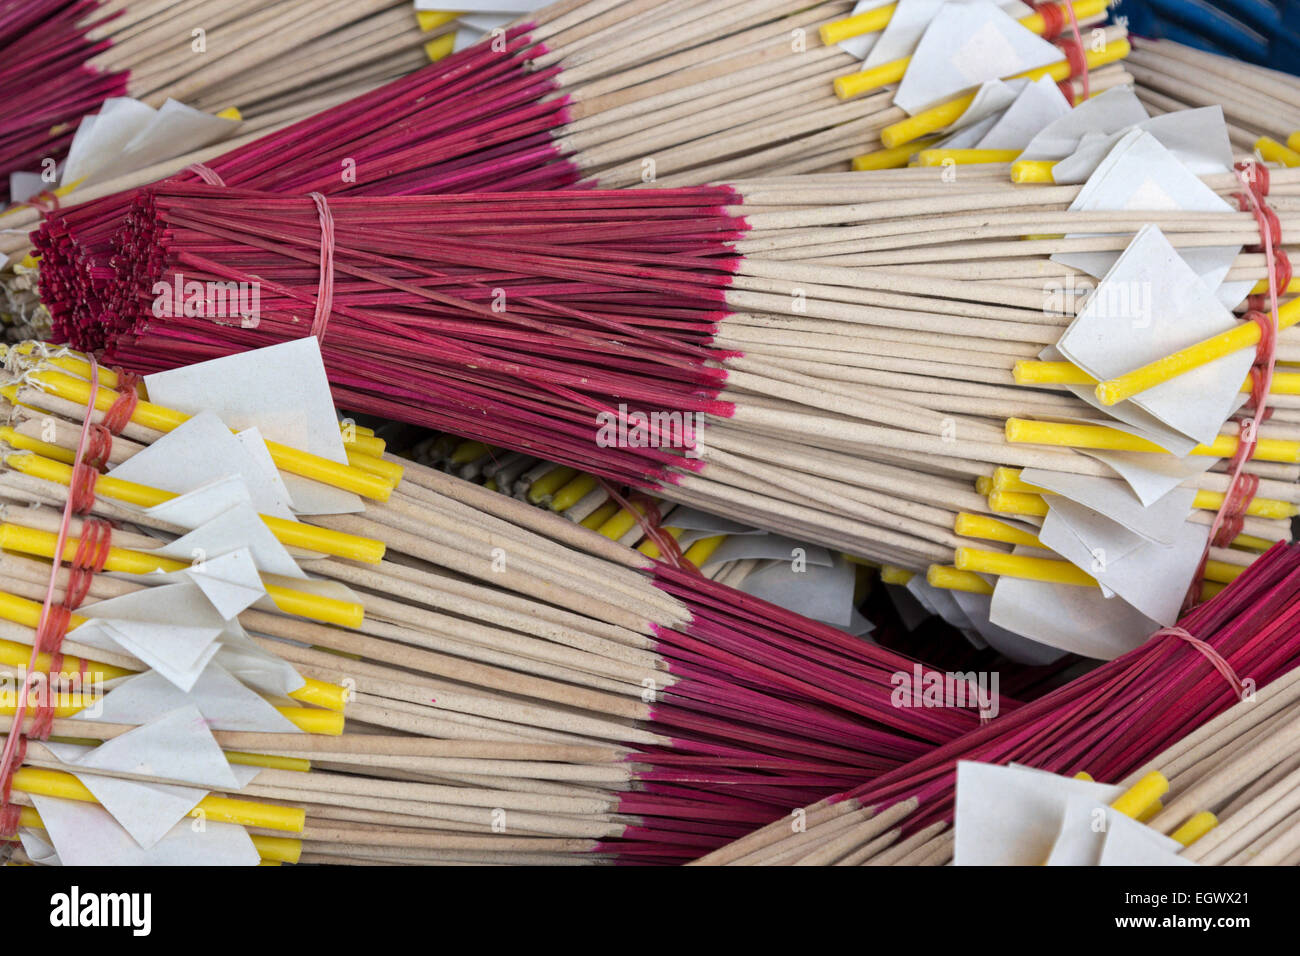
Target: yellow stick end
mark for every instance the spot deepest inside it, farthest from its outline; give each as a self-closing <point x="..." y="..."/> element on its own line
<point x="1139" y="797"/>
<point x="1195" y="828"/>
<point x="1032" y="171"/>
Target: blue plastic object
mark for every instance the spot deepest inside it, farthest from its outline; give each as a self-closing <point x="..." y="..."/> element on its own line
<point x="1266" y="32"/>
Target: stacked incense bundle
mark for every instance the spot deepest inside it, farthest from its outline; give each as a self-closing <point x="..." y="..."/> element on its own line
<point x="1262" y="105"/>
<point x="275" y="61"/>
<point x="524" y="690"/>
<point x="1112" y="725"/>
<point x="23" y="316"/>
<point x="252" y="55"/>
<point x="47" y="46"/>
<point x="569" y="96"/>
<point x="848" y="374"/>
<point x="1032" y="358"/>
<point x="582" y="498"/>
<point x="797" y="575"/>
<point x="1224" y="795"/>
<point x="1234" y="781"/>
<point x="174" y="664"/>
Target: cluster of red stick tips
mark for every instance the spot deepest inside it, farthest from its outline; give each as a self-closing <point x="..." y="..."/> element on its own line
<point x="770" y="711"/>
<point x="48" y="82"/>
<point x="477" y="120"/>
<point x="1112" y="721"/>
<point x="516" y="318"/>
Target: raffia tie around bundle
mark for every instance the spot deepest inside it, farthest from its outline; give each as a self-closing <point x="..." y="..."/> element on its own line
<point x="1053" y="26"/>
<point x="93" y="546"/>
<point x="325" y="290"/>
<point x="1229" y="519"/>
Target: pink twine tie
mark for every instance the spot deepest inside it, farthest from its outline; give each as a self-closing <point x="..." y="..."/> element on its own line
<point x="325" y="292"/>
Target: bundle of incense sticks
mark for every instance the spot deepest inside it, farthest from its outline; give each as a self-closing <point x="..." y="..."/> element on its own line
<point x="582" y="498"/>
<point x="846" y="374"/>
<point x="172" y="669"/>
<point x="796" y="575"/>
<point x="1231" y="785"/>
<point x="1262" y="105"/>
<point x="790" y="574"/>
<point x="276" y="61"/>
<point x="23" y="316"/>
<point x="590" y="701"/>
<point x="48" y="44"/>
<point x="569" y="96"/>
<point x="220" y="54"/>
<point x="1170" y="696"/>
<point x="1224" y="795"/>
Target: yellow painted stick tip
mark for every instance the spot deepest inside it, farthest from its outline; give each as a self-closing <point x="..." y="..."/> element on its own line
<point x="953" y="579"/>
<point x="1134" y="801"/>
<point x="432" y="19"/>
<point x="440" y="47"/>
<point x="895" y="575"/>
<point x="1032" y="171"/>
<point x="1195" y="827"/>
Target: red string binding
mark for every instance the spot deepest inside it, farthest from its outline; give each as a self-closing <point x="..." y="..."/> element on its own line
<point x="92" y="551"/>
<point x="325" y="292"/>
<point x="205" y="173"/>
<point x="1235" y="505"/>
<point x="44" y="202"/>
<point x="1230" y="517"/>
<point x="1214" y="657"/>
<point x="649" y="520"/>
<point x="119" y="413"/>
<point x="1075" y="54"/>
<point x="1053" y="19"/>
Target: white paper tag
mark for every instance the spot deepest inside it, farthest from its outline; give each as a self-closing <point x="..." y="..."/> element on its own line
<point x="908" y="24"/>
<point x="977" y="608"/>
<point x="1037" y="105"/>
<point x="1141" y="175"/>
<point x="965" y="45"/>
<point x="84" y="834"/>
<point x="1153" y="578"/>
<point x="1077" y="619"/>
<point x="1110" y="112"/>
<point x="194" y="456"/>
<point x="1151" y="304"/>
<point x="1117" y="501"/>
<point x="283" y="391"/>
<point x="225" y="703"/>
<point x="128" y="135"/>
<point x="1011" y="816"/>
<point x="822" y="593"/>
